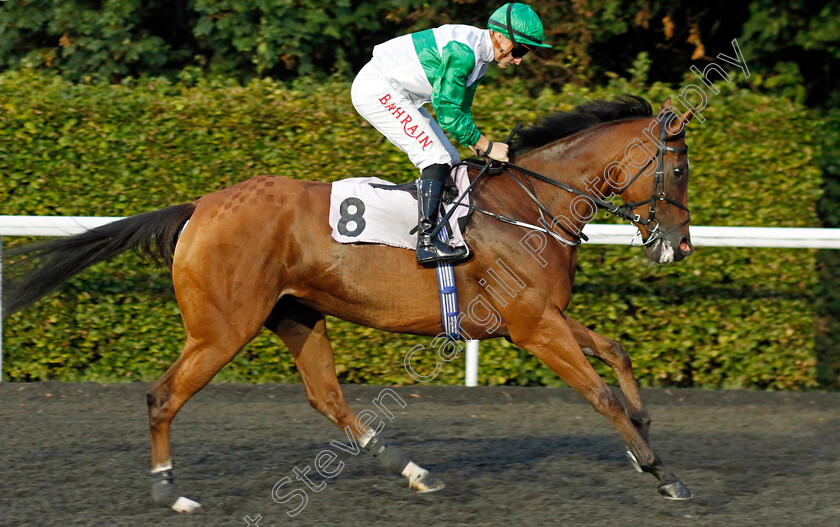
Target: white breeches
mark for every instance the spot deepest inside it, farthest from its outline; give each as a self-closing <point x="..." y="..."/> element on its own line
<point x="406" y="124"/>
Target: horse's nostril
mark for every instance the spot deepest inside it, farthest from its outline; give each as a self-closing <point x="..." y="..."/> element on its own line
<point x="686" y="247"/>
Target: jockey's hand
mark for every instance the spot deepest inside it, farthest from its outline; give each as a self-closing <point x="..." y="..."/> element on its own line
<point x="499" y="152"/>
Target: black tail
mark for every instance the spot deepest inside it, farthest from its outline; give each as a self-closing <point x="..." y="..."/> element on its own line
<point x="44" y="266"/>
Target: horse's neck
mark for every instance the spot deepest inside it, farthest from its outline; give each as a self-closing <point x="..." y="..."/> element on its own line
<point x="578" y="161"/>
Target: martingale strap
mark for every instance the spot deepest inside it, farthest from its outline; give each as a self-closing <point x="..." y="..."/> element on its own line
<point x="543" y="210"/>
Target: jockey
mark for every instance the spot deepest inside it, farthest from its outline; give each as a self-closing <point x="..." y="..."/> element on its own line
<point x="443" y="66"/>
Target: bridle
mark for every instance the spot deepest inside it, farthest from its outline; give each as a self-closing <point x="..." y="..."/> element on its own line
<point x="658" y="193"/>
<point x="624" y="210"/>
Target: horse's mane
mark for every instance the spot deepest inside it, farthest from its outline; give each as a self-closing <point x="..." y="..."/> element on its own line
<point x="558" y="125"/>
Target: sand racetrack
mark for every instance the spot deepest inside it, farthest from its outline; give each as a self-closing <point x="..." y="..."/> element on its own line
<point x="77" y="454"/>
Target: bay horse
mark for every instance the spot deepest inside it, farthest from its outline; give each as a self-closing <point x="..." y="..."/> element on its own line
<point x="259" y="254"/>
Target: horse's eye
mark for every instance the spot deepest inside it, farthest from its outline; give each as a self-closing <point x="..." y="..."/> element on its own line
<point x="678" y="172"/>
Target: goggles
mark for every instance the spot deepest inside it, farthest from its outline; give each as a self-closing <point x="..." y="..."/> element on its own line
<point x="519" y="50"/>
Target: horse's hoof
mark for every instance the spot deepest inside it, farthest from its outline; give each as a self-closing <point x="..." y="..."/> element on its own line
<point x="165" y="493"/>
<point x="634" y="461"/>
<point x="675" y="491"/>
<point x="186" y="506"/>
<point x="427" y="483"/>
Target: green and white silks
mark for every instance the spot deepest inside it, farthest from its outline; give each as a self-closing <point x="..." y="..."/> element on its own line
<point x="443" y="66"/>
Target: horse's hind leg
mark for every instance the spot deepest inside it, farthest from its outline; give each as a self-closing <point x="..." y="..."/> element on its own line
<point x="304" y="331"/>
<point x="613" y="355"/>
<point x="212" y="341"/>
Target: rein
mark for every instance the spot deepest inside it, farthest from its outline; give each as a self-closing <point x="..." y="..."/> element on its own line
<point x="623" y="211"/>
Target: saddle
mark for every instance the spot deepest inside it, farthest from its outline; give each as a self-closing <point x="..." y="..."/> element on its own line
<point x="372" y="210"/>
<point x="450" y="189"/>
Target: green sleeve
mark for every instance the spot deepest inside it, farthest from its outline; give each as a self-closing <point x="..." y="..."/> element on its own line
<point x="466" y="106"/>
<point x="451" y="98"/>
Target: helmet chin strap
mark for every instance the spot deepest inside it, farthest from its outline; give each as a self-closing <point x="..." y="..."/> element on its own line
<point x="502" y="53"/>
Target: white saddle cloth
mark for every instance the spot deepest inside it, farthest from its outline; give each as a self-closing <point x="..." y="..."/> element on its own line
<point x="361" y="213"/>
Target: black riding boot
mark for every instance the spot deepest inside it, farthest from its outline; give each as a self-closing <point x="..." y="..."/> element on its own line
<point x="431" y="249"/>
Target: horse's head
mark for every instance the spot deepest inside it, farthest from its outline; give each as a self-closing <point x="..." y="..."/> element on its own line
<point x="658" y="193"/>
<point x="647" y="166"/>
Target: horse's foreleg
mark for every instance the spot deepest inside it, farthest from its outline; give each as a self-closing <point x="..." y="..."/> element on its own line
<point x="304" y="331"/>
<point x="613" y="355"/>
<point x="553" y="341"/>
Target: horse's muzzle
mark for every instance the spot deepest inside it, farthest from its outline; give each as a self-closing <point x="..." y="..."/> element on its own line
<point x="663" y="250"/>
<point x="685" y="248"/>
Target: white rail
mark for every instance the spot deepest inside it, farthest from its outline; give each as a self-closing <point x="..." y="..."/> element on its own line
<point x="801" y="238"/>
<point x="50" y="225"/>
<point x="598" y="233"/>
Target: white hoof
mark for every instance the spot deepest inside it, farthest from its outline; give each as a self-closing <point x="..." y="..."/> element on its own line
<point x="425" y="483"/>
<point x="186" y="505"/>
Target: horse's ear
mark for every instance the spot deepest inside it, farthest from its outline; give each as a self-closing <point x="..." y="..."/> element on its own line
<point x="678" y="119"/>
<point x="686" y="117"/>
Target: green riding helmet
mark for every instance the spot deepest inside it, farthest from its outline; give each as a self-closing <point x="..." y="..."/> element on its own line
<point x="519" y="23"/>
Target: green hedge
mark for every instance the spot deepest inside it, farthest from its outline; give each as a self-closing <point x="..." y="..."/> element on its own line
<point x="791" y="44"/>
<point x="723" y="318"/>
<point x="828" y="261"/>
